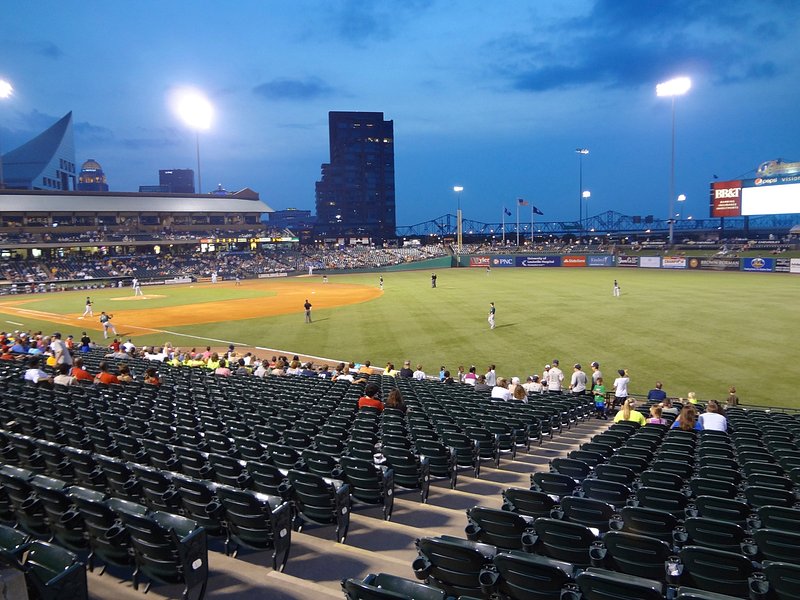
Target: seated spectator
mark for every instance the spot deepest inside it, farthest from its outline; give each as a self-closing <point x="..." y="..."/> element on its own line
<point x="656" y="417"/>
<point x="519" y="394"/>
<point x="532" y="385"/>
<point x="241" y="369"/>
<point x="500" y="391"/>
<point x="481" y="385"/>
<point x="447" y="378"/>
<point x="151" y="376"/>
<point x="713" y="418"/>
<point x="34" y="374"/>
<point x="124" y="373"/>
<point x="629" y="413"/>
<point x="63" y="377"/>
<point x="667" y="409"/>
<point x="419" y="374"/>
<point x="687" y="420"/>
<point x="79" y="373"/>
<point x="103" y="376"/>
<point x="657" y="393"/>
<point x="366" y="368"/>
<point x="406" y="372"/>
<point x="692" y="398"/>
<point x="222" y="369"/>
<point x="390" y="370"/>
<point x="395" y="401"/>
<point x="513" y="385"/>
<point x="370" y="398"/>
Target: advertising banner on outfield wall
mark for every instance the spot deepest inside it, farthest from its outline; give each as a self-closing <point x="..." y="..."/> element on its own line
<point x="479" y="261"/>
<point x="627" y="261"/>
<point x="714" y="264"/>
<point x="794" y="266"/>
<point x="782" y="265"/>
<point x="600" y="261"/>
<point x="758" y="264"/>
<point x="673" y="262"/>
<point x="650" y="262"/>
<point x="573" y="261"/>
<point x="502" y="261"/>
<point x="538" y="261"/>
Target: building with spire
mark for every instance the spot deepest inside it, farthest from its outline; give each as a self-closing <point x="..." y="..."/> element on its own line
<point x="47" y="162"/>
<point x="91" y="178"/>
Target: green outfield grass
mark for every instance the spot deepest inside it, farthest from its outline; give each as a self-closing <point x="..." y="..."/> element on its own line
<point x="695" y="331"/>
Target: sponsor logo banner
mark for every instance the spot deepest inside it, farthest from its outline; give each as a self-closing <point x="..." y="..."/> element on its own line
<point x="479" y="261"/>
<point x="673" y="262"/>
<point x="573" y="261"/>
<point x="503" y="261"/>
<point x="600" y="261"/>
<point x="627" y="261"/>
<point x="538" y="261"/>
<point x="650" y="262"/>
<point x="758" y="264"/>
<point x="271" y="275"/>
<point x="782" y="265"/>
<point x="726" y="198"/>
<point x="714" y="264"/>
<point x="794" y="266"/>
<point x="152" y="282"/>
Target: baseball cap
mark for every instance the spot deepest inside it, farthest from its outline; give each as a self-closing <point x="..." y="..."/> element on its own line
<point x="515" y="380"/>
<point x="547" y="366"/>
<point x="577" y="365"/>
<point x="595" y="363"/>
<point x="555" y="361"/>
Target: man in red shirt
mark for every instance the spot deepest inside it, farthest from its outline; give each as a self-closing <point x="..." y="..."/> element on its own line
<point x="104" y="376"/>
<point x="79" y="373"/>
<point x="369" y="398"/>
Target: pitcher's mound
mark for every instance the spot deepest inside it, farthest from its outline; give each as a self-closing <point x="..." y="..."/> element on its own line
<point x="135" y="298"/>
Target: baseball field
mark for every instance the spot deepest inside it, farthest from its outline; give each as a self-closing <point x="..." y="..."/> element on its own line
<point x="695" y="331"/>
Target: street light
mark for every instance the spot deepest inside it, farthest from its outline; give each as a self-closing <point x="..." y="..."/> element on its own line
<point x="674" y="87"/>
<point x="581" y="152"/>
<point x="459" y="226"/>
<point x="6" y="90"/>
<point x="196" y="111"/>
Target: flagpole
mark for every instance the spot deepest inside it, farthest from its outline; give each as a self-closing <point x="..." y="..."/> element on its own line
<point x="518" y="223"/>
<point x="504" y="225"/>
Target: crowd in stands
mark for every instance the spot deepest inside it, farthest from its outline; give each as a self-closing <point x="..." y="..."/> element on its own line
<point x="63" y="358"/>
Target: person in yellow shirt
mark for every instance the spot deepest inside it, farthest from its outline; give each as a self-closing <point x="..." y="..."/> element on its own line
<point x="628" y="413"/>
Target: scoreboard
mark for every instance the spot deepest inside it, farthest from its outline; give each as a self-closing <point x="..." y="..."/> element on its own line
<point x="770" y="195"/>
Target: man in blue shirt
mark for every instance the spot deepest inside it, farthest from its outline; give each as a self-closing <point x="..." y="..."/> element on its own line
<point x="657" y="394"/>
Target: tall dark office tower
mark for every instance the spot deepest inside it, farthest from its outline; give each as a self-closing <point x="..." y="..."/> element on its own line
<point x="355" y="196"/>
<point x="179" y="181"/>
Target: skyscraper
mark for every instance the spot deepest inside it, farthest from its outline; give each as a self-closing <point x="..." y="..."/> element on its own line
<point x="91" y="178"/>
<point x="356" y="196"/>
<point x="179" y="181"/>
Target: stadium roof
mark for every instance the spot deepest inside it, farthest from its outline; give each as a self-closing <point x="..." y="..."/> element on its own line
<point x="16" y="201"/>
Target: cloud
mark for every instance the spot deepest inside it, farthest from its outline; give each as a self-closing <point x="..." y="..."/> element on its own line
<point x="50" y="50"/>
<point x="628" y="43"/>
<point x="153" y="143"/>
<point x="358" y="22"/>
<point x="93" y="133"/>
<point x="294" y="89"/>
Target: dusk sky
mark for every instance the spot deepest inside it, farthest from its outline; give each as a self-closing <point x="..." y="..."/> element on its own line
<point x="493" y="96"/>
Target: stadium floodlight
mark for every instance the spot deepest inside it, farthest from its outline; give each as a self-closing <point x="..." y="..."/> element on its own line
<point x="459" y="225"/>
<point x="197" y="112"/>
<point x="672" y="88"/>
<point x="6" y="89"/>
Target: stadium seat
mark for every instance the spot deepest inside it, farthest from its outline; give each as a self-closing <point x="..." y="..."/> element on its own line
<point x="523" y="576"/>
<point x="724" y="509"/>
<point x="659" y="524"/>
<point x="662" y="479"/>
<point x="500" y="528"/>
<point x="576" y="469"/>
<point x="256" y="521"/>
<point x="452" y="564"/>
<point x="599" y="584"/>
<point x="703" y="486"/>
<point x="531" y="503"/>
<point x="779" y="517"/>
<point x="777" y="545"/>
<point x="382" y="586"/>
<point x="158" y="493"/>
<point x="66" y="524"/>
<point x="564" y="541"/>
<point x="199" y="503"/>
<point x="369" y="484"/>
<point x="595" y="514"/>
<point x="441" y="460"/>
<point x="616" y="494"/>
<point x="716" y="570"/>
<point x="464" y="449"/>
<point x="783" y="579"/>
<point x="410" y="470"/>
<point x="28" y="508"/>
<point x="662" y="499"/>
<point x="53" y="573"/>
<point x="633" y="554"/>
<point x="617" y="473"/>
<point x="553" y="484"/>
<point x="320" y="501"/>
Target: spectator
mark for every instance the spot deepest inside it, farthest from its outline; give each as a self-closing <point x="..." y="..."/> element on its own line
<point x="668" y="409"/>
<point x="481" y="385"/>
<point x="151" y="376"/>
<point x="222" y="369"/>
<point x="124" y="373"/>
<point x="471" y="377"/>
<point x="621" y="387"/>
<point x="713" y="418"/>
<point x="656" y="417"/>
<point x="406" y="372"/>
<point x="395" y="401"/>
<point x="79" y="373"/>
<point x="733" y="399"/>
<point x="103" y="376"/>
<point x="35" y="375"/>
<point x="599" y="392"/>
<point x="519" y="394"/>
<point x="63" y="377"/>
<point x="687" y="420"/>
<point x="629" y="413"/>
<point x="370" y="398"/>
<point x="500" y="390"/>
<point x="657" y="394"/>
<point x="419" y="374"/>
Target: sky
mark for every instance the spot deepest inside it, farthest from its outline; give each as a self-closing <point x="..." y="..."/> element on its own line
<point x="491" y="96"/>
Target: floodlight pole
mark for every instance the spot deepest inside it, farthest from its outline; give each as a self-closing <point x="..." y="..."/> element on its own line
<point x="199" y="178"/>
<point x="459" y="226"/>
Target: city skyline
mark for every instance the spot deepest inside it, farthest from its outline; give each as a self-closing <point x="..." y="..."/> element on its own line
<point x="494" y="98"/>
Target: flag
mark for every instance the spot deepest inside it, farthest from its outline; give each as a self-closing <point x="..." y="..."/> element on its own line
<point x="508" y="212"/>
<point x="522" y="202"/>
<point x="536" y="211"/>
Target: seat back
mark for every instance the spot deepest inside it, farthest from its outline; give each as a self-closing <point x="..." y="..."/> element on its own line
<point x="499" y="528"/>
<point x="563" y="540"/>
<point x="712" y="533"/>
<point x="777" y="545"/>
<point x="525" y="576"/>
<point x="599" y="584"/>
<point x="716" y="570"/>
<point x="659" y="524"/>
<point x="616" y="494"/>
<point x="319" y="501"/>
<point x="723" y="509"/>
<point x="389" y="587"/>
<point x="554" y="484"/>
<point x="55" y="572"/>
<point x="662" y="499"/>
<point x="779" y="517"/>
<point x="637" y="554"/>
<point x="589" y="512"/>
<point x="452" y="564"/>
<point x="531" y="503"/>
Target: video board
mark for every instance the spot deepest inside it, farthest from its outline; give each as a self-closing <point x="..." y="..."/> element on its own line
<point x="772" y="195"/>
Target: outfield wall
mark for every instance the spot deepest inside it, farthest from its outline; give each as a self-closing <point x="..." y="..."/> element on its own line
<point x="703" y="263"/>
